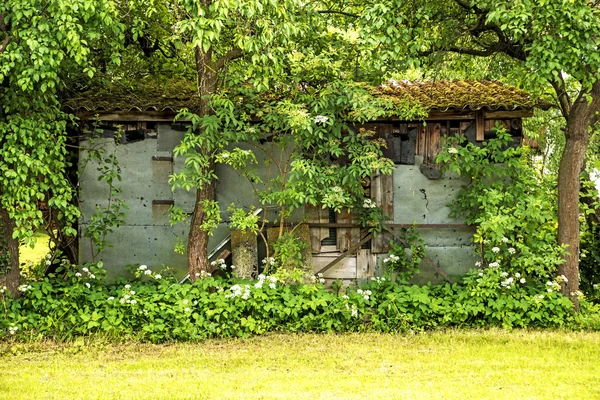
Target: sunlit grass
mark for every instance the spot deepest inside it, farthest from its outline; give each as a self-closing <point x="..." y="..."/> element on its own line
<point x="491" y="364"/>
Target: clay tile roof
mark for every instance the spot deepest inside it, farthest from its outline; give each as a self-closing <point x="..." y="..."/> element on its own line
<point x="458" y="95"/>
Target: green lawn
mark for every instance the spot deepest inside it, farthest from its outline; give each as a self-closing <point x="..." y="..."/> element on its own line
<point x="443" y="365"/>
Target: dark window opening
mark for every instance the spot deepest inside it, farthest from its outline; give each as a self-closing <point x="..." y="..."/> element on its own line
<point x="331" y="240"/>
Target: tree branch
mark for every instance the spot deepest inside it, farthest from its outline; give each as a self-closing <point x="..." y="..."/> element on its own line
<point x="562" y="96"/>
<point x="231" y="55"/>
<point x="5" y="43"/>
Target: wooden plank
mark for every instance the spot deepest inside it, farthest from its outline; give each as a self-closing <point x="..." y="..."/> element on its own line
<point x="319" y="215"/>
<point x="408" y="147"/>
<point x="372" y="258"/>
<point x="346" y="236"/>
<point x="382" y="192"/>
<point x="480" y="128"/>
<point x="507" y="114"/>
<point x="362" y="263"/>
<point x="244" y="250"/>
<point x="350" y="251"/>
<point x="345" y="269"/>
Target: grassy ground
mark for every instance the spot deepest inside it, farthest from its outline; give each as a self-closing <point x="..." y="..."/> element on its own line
<point x="443" y="365"/>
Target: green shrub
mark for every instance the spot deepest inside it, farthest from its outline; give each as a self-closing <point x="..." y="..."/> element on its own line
<point x="154" y="307"/>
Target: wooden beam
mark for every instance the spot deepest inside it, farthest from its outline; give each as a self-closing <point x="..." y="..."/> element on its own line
<point x="151" y="116"/>
<point x="507" y="114"/>
<point x="418" y="226"/>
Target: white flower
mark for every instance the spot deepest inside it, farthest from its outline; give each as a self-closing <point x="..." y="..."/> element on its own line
<point x="110" y="298"/>
<point x="13" y="329"/>
<point x="319" y="275"/>
<point x="495" y="249"/>
<point x="523" y="280"/>
<point x="541" y="296"/>
<point x="132" y="301"/>
<point x="321" y="280"/>
<point x="78" y="274"/>
<point x="504" y="274"/>
<point x="233" y="266"/>
<point x="495" y="264"/>
<point x="88" y="285"/>
<point x="197" y="274"/>
<point x="366" y="297"/>
<point x="213" y="263"/>
<point x="368" y="203"/>
<point x="386" y="260"/>
<point x="147" y="272"/>
<point x="185" y="302"/>
<point x="319" y="119"/>
<point x="354" y="311"/>
<point x="92" y="276"/>
<point x="187" y="309"/>
<point x="259" y="284"/>
<point x="517" y="275"/>
<point x="336" y="189"/>
<point x="127" y="286"/>
<point x="132" y="292"/>
<point x="48" y="262"/>
<point x="512" y="250"/>
<point x="549" y="290"/>
<point x="452" y="150"/>
<point x="504" y="239"/>
<point x="564" y="278"/>
<point x="481" y="273"/>
<point x="345" y="297"/>
<point x="478" y="263"/>
<point x="23" y="288"/>
<point x="143" y="267"/>
<point x="157" y="276"/>
<point x="85" y="269"/>
<point x="272" y="285"/>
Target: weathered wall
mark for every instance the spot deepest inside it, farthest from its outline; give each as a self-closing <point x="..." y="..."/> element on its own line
<point x="147" y="237"/>
<point x="419" y="200"/>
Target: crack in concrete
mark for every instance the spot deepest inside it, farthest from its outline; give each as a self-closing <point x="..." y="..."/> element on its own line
<point x="425" y="198"/>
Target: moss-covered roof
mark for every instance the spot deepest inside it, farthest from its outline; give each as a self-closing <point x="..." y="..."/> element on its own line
<point x="459" y="95"/>
<point x="169" y="96"/>
<point x="440" y="95"/>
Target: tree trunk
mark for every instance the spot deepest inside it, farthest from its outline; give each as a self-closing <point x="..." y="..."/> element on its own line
<point x="198" y="238"/>
<point x="9" y="255"/>
<point x="579" y="119"/>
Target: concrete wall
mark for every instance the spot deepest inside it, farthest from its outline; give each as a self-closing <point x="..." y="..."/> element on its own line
<point x="147" y="237"/>
<point x="419" y="200"/>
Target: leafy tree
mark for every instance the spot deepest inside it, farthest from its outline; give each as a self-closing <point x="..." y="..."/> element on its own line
<point x="553" y="43"/>
<point x="42" y="44"/>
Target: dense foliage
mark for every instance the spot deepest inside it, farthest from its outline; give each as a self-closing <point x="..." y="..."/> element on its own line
<point x="153" y="307"/>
